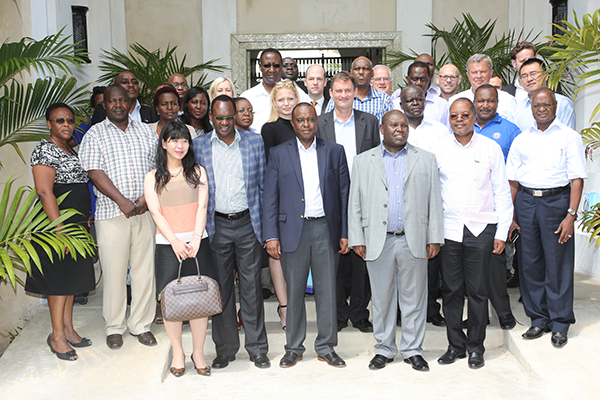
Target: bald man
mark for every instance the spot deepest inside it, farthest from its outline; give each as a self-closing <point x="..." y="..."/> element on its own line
<point x="315" y="83"/>
<point x="448" y="80"/>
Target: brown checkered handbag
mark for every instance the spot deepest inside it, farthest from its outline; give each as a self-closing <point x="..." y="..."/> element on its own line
<point x="190" y="297"/>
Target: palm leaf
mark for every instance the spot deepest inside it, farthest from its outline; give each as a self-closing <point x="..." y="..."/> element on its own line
<point x="21" y="222"/>
<point x="153" y="68"/>
<point x="22" y="108"/>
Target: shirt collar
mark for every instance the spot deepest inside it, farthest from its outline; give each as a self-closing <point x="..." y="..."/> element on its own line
<point x="554" y="125"/>
<point x="351" y="119"/>
<point x="137" y="107"/>
<point x="301" y="146"/>
<point x="496" y="120"/>
<point x="471" y="142"/>
<point x="215" y="138"/>
<point x="386" y="153"/>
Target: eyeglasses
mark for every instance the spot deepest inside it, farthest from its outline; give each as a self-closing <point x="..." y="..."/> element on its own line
<point x="293" y="65"/>
<point x="532" y="75"/>
<point x="381" y="78"/>
<point x="462" y="116"/>
<point x="268" y="66"/>
<point x="227" y="118"/>
<point x="448" y="77"/>
<point x="538" y="106"/>
<point x="177" y="85"/>
<point x="249" y="111"/>
<point x="61" y="121"/>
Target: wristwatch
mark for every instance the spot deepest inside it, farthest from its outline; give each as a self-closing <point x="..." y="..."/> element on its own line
<point x="572" y="212"/>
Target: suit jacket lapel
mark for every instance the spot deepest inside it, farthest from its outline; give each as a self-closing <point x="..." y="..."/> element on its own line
<point x="295" y="161"/>
<point x="244" y="150"/>
<point x="377" y="160"/>
<point x="322" y="163"/>
<point x="359" y="126"/>
<point x="412" y="156"/>
<point x="329" y="127"/>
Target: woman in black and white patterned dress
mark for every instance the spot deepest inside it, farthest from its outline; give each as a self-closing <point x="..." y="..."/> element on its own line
<point x="57" y="170"/>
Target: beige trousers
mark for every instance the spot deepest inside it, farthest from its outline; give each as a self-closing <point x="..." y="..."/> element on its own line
<point x="126" y="242"/>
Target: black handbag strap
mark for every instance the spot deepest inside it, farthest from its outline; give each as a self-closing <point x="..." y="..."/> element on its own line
<point x="197" y="269"/>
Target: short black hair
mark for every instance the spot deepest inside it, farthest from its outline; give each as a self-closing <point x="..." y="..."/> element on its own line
<point x="473" y="110"/>
<point x="418" y="64"/>
<point x="533" y="61"/>
<point x="269" y="50"/>
<point x="303" y="104"/>
<point x="95" y="92"/>
<point x="225" y="98"/>
<point x="487" y="86"/>
<point x="55" y="106"/>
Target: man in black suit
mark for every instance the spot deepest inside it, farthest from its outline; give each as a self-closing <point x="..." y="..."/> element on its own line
<point x="137" y="111"/>
<point x="316" y="87"/>
<point x="356" y="131"/>
<point x="305" y="222"/>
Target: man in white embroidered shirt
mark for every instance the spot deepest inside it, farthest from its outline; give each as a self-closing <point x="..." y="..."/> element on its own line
<point x="477" y="215"/>
<point x="546" y="168"/>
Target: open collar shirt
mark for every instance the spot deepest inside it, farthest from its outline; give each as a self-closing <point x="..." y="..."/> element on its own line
<point x="345" y="134"/>
<point x="395" y="169"/>
<point x="313" y="204"/>
<point x="124" y="156"/>
<point x="230" y="187"/>
<point x="475" y="190"/>
<point x="548" y="159"/>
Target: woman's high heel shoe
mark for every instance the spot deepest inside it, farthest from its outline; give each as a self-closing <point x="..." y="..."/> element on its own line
<point x="177" y="372"/>
<point x="201" y="371"/>
<point x="279" y="307"/>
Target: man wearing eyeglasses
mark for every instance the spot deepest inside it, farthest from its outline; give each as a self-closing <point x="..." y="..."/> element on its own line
<point x="180" y="84"/>
<point x="448" y="80"/>
<point x="479" y="71"/>
<point x="546" y="168"/>
<point x="477" y="216"/>
<point x="137" y="112"/>
<point x="532" y="77"/>
<point x="235" y="165"/>
<point x="382" y="79"/>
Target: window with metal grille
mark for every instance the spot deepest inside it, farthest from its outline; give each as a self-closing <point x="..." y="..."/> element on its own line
<point x="80" y="37"/>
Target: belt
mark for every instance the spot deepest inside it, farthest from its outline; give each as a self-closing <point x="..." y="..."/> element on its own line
<point x="233" y="216"/>
<point x="313" y="218"/>
<point x="396" y="233"/>
<point x="543" y="192"/>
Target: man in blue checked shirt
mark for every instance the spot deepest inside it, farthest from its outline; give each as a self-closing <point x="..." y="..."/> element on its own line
<point x="367" y="98"/>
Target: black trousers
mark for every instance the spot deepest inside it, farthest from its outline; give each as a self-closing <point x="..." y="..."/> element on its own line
<point x="235" y="243"/>
<point x="360" y="289"/>
<point x="497" y="292"/>
<point x="545" y="266"/>
<point x="465" y="266"/>
<point x="434" y="286"/>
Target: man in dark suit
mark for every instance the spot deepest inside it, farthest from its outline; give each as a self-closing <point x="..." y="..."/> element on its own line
<point x="137" y="111"/>
<point x="305" y="222"/>
<point x="317" y="87"/>
<point x="357" y="131"/>
<point x="235" y="166"/>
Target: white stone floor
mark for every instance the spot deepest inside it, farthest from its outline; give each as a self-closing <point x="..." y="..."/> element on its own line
<point x="515" y="369"/>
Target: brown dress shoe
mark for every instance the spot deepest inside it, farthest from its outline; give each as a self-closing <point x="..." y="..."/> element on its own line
<point x="146" y="338"/>
<point x="114" y="341"/>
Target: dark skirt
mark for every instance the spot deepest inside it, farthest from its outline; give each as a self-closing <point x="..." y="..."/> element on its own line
<point x="166" y="265"/>
<point x="65" y="277"/>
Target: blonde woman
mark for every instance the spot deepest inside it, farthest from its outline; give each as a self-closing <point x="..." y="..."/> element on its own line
<point x="222" y="85"/>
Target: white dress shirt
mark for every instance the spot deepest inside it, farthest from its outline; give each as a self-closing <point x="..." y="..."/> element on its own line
<point x="475" y="190"/>
<point x="506" y="102"/>
<point x="426" y="134"/>
<point x="135" y="114"/>
<point x="345" y="134"/>
<point x="313" y="201"/>
<point x="545" y="160"/>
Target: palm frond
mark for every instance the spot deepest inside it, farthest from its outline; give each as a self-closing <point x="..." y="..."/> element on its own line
<point x="52" y="54"/>
<point x="153" y="68"/>
<point x="22" y="108"/>
<point x="20" y="225"/>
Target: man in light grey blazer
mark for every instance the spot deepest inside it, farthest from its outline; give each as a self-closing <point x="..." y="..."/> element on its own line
<point x="395" y="224"/>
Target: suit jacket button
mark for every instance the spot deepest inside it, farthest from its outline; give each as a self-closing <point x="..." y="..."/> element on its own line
<point x="385" y="223"/>
<point x="302" y="199"/>
<point x="385" y="206"/>
<point x="302" y="216"/>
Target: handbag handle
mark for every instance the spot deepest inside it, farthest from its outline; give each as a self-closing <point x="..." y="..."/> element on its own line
<point x="197" y="269"/>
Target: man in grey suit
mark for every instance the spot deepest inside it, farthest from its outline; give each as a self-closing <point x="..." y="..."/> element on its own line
<point x="395" y="224"/>
<point x="356" y="131"/>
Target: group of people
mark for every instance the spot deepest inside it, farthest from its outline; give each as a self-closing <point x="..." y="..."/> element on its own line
<point x="396" y="199"/>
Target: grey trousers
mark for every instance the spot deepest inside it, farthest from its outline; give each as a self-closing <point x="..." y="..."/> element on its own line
<point x="398" y="278"/>
<point x="235" y="243"/>
<point x="314" y="251"/>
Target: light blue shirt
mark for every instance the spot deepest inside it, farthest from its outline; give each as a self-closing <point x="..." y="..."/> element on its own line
<point x="230" y="188"/>
<point x="345" y="134"/>
<point x="395" y="168"/>
<point x="565" y="113"/>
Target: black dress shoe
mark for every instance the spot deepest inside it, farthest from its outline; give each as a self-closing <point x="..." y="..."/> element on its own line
<point x="417" y="362"/>
<point x="363" y="325"/>
<point x="333" y="359"/>
<point x="513" y="282"/>
<point x="437" y="320"/>
<point x="559" y="339"/>
<point x="476" y="360"/>
<point x="261" y="360"/>
<point x="534" y="333"/>
<point x="266" y="293"/>
<point x="289" y="359"/>
<point x="222" y="361"/>
<point x="508" y="322"/>
<point x="450" y="356"/>
<point x="341" y="324"/>
<point x="379" y="361"/>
